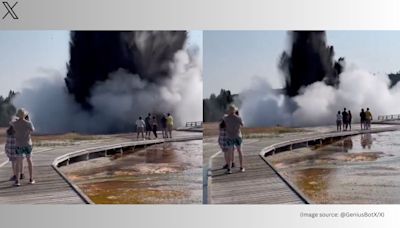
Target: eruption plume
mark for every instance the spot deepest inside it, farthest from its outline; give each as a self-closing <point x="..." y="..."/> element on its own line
<point x="94" y="55"/>
<point x="310" y="60"/>
<point x="317" y="87"/>
<point x="115" y="77"/>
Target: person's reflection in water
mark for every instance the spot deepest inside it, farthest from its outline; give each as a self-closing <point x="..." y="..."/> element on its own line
<point x="366" y="141"/>
<point x="347" y="144"/>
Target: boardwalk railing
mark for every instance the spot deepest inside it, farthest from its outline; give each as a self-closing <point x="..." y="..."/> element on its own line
<point x="322" y="139"/>
<point x="389" y="117"/>
<point x="194" y="124"/>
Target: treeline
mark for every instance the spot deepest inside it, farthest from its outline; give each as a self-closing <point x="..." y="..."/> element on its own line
<point x="7" y="109"/>
<point x="215" y="107"/>
<point x="394" y="78"/>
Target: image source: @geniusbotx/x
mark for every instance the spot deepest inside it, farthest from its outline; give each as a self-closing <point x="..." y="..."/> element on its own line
<point x="302" y="117"/>
<point x="101" y="117"/>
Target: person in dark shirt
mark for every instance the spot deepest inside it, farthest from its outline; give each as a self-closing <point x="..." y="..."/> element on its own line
<point x="149" y="129"/>
<point x="154" y="126"/>
<point x="362" y="119"/>
<point x="164" y="126"/>
<point x="345" y="119"/>
<point x="349" y="118"/>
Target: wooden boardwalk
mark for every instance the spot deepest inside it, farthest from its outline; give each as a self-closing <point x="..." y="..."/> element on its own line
<point x="260" y="184"/>
<point x="50" y="187"/>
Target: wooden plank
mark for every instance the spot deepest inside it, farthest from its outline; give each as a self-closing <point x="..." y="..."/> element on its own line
<point x="51" y="187"/>
<point x="261" y="183"/>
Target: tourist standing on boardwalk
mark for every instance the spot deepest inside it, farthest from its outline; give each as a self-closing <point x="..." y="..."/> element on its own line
<point x="368" y="119"/>
<point x="223" y="143"/>
<point x="23" y="129"/>
<point x="349" y="118"/>
<point x="362" y="119"/>
<point x="345" y="119"/>
<point x="164" y="126"/>
<point x="170" y="124"/>
<point x="140" y="124"/>
<point x="233" y="124"/>
<point x="10" y="149"/>
<point x="339" y="121"/>
<point x="154" y="126"/>
<point x="147" y="121"/>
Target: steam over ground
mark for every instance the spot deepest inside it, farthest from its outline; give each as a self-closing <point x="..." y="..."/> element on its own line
<point x="108" y="94"/>
<point x="318" y="103"/>
<point x="317" y="87"/>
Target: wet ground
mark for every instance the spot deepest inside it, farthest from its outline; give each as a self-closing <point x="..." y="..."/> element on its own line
<point x="169" y="173"/>
<point x="360" y="169"/>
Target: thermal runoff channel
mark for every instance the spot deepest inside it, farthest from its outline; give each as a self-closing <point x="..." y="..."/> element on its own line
<point x="113" y="78"/>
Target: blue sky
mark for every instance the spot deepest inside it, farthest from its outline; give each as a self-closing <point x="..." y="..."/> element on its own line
<point x="232" y="58"/>
<point x="26" y="54"/>
<point x="29" y="54"/>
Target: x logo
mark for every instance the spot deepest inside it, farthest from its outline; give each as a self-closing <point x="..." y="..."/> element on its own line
<point x="10" y="10"/>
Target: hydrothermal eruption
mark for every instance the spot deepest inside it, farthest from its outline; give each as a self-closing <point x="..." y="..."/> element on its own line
<point x="113" y="78"/>
<point x="310" y="60"/>
<point x="316" y="88"/>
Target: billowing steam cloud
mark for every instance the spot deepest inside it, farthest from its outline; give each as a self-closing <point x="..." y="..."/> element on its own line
<point x="314" y="93"/>
<point x="94" y="55"/>
<point x="318" y="103"/>
<point x="115" y="77"/>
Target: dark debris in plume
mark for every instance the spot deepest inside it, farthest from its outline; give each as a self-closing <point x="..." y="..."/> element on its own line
<point x="310" y="60"/>
<point x="96" y="54"/>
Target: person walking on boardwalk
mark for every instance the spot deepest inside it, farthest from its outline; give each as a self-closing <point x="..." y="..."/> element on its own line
<point x="345" y="119"/>
<point x="349" y="118"/>
<point x="10" y="149"/>
<point x="154" y="125"/>
<point x="170" y="124"/>
<point x="362" y="119"/>
<point x="23" y="129"/>
<point x="140" y="124"/>
<point x="368" y="119"/>
<point x="234" y="123"/>
<point x="147" y="121"/>
<point x="339" y="121"/>
<point x="164" y="126"/>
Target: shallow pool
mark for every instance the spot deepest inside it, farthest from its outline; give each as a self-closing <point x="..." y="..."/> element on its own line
<point x="359" y="169"/>
<point x="169" y="173"/>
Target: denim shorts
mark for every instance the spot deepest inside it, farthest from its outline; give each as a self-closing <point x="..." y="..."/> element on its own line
<point x="24" y="150"/>
<point x="235" y="142"/>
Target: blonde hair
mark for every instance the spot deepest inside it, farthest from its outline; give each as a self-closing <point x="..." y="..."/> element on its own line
<point x="232" y="109"/>
<point x="21" y="113"/>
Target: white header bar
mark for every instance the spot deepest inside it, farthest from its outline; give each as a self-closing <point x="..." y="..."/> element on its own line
<point x="201" y="14"/>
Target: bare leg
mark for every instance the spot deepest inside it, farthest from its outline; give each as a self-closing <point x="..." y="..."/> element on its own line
<point x="19" y="165"/>
<point x="226" y="156"/>
<point x="30" y="167"/>
<point x="14" y="167"/>
<point x="239" y="149"/>
<point x="230" y="156"/>
<point x="21" y="168"/>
